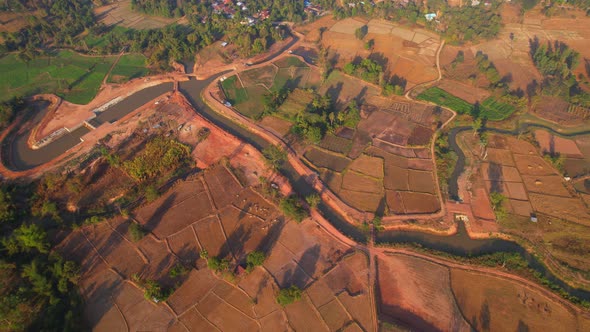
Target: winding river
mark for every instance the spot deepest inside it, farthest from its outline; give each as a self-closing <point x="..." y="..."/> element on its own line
<point x="18" y="156"/>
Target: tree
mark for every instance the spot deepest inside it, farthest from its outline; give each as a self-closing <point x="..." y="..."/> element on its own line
<point x="136" y="232"/>
<point x="476" y="126"/>
<point x="292" y="208"/>
<point x="274" y="156"/>
<point x="313" y="200"/>
<point x="31" y="237"/>
<point x="361" y="32"/>
<point x="7" y="209"/>
<point x="255" y="258"/>
<point x="289" y="295"/>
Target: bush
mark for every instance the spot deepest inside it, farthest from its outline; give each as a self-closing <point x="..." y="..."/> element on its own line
<point x="274" y="156"/>
<point x="313" y="200"/>
<point x="153" y="291"/>
<point x="151" y="193"/>
<point x="292" y="208"/>
<point x="255" y="258"/>
<point x="136" y="232"/>
<point x="218" y="265"/>
<point x="289" y="295"/>
<point x="178" y="270"/>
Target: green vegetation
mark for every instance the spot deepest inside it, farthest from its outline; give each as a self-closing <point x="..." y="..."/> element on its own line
<point x="361" y="32"/>
<point x="486" y="67"/>
<point x="164" y="8"/>
<point x="37" y="286"/>
<point x="472" y="23"/>
<point x="136" y="232"/>
<point x="443" y="98"/>
<point x="368" y="70"/>
<point x="159" y="156"/>
<point x="445" y="161"/>
<point x="556" y="61"/>
<point x="378" y="224"/>
<point x="255" y="258"/>
<point x="497" y="201"/>
<point x="74" y="77"/>
<point x="218" y="265"/>
<point x="274" y="156"/>
<point x="557" y="160"/>
<point x="128" y="67"/>
<point x="289" y="295"/>
<point x="178" y="270"/>
<point x="292" y="208"/>
<point x="313" y="200"/>
<point x="9" y="109"/>
<point x="152" y="290"/>
<point x="495" y="110"/>
<point x="151" y="193"/>
<point x="233" y="90"/>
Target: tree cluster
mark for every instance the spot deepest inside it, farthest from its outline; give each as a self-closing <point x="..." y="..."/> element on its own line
<point x="37" y="286"/>
<point x="160" y="155"/>
<point x="557" y="62"/>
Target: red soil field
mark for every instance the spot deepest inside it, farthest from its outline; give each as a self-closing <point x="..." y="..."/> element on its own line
<point x="419" y="202"/>
<point x="418" y="292"/>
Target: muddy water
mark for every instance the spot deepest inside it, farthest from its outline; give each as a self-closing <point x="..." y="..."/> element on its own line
<point x="133" y="102"/>
<point x="460" y="244"/>
<point x="16" y="153"/>
<point x="19" y="157"/>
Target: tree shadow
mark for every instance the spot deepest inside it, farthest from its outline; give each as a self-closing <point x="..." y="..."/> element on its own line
<point x="484" y="316"/>
<point x="531" y="89"/>
<point x="334" y="92"/>
<point x="534" y="45"/>
<point x="156" y="218"/>
<point x="379" y="58"/>
<point x="302" y="274"/>
<point x="495" y="176"/>
<point x="522" y="326"/>
<point x="360" y="98"/>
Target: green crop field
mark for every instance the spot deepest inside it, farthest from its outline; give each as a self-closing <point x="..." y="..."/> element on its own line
<point x="297" y="101"/>
<point x="290" y="61"/>
<point x="496" y="110"/>
<point x="443" y="98"/>
<point x="130" y="66"/>
<point x="74" y="77"/>
<point x="233" y="90"/>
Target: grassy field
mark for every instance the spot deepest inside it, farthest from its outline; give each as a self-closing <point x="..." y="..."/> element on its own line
<point x="443" y="98"/>
<point x="234" y="91"/>
<point x="130" y="66"/>
<point x="290" y="61"/>
<point x="496" y="110"/>
<point x="297" y="101"/>
<point x="74" y="77"/>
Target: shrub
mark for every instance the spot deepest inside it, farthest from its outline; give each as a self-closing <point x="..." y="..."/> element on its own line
<point x="313" y="200"/>
<point x="292" y="208"/>
<point x="178" y="270"/>
<point x="136" y="232"/>
<point x="255" y="258"/>
<point x="153" y="291"/>
<point x="151" y="193"/>
<point x="289" y="295"/>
